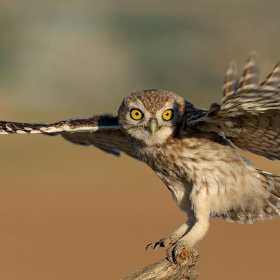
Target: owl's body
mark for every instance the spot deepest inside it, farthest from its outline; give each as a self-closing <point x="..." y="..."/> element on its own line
<point x="207" y="178"/>
<point x="193" y="165"/>
<point x="191" y="149"/>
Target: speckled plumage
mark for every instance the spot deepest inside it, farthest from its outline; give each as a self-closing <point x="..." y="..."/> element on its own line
<point x="192" y="153"/>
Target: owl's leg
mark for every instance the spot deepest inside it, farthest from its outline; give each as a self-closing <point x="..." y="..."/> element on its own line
<point x="176" y="235"/>
<point x="178" y="252"/>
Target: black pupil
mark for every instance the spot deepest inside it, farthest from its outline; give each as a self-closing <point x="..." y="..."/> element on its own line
<point x="137" y="114"/>
<point x="167" y="114"/>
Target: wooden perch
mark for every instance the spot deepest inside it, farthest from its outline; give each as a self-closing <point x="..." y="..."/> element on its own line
<point x="165" y="270"/>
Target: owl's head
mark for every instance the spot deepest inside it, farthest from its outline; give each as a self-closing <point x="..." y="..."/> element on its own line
<point x="151" y="116"/>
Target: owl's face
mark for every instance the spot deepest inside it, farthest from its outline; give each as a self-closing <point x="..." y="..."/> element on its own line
<point x="151" y="116"/>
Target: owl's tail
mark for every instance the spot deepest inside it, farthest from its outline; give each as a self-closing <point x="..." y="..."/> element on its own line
<point x="271" y="182"/>
<point x="271" y="206"/>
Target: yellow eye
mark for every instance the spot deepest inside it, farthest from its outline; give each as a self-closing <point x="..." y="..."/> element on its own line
<point x="167" y="115"/>
<point x="136" y="114"/>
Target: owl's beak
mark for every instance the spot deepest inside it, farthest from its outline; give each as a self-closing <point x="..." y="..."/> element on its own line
<point x="153" y="128"/>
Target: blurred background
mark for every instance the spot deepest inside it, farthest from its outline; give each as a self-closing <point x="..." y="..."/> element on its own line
<point x="70" y="212"/>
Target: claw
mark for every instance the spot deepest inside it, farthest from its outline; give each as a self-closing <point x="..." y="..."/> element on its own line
<point x="162" y="243"/>
<point x="149" y="245"/>
<point x="169" y="254"/>
<point x="152" y="245"/>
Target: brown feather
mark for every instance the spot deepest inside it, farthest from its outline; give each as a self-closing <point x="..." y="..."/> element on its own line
<point x="100" y="131"/>
<point x="251" y="118"/>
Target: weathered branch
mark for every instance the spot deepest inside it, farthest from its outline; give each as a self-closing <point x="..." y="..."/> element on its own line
<point x="165" y="270"/>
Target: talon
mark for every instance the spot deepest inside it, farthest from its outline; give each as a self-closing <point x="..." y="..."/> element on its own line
<point x="155" y="245"/>
<point x="173" y="257"/>
<point x="149" y="245"/>
<point x="169" y="254"/>
<point x="162" y="243"/>
<point x="152" y="245"/>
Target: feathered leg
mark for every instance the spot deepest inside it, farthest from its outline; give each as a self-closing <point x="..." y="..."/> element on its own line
<point x="176" y="235"/>
<point x="185" y="244"/>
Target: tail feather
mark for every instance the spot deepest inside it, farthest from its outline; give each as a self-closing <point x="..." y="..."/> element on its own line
<point x="271" y="182"/>
<point x="274" y="200"/>
<point x="271" y="205"/>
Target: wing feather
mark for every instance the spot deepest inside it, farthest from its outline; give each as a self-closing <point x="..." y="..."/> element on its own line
<point x="272" y="80"/>
<point x="231" y="80"/>
<point x="250" y="77"/>
<point x="100" y="131"/>
<point x="249" y="116"/>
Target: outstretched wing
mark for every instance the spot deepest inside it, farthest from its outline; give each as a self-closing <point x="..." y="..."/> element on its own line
<point x="100" y="131"/>
<point x="249" y="114"/>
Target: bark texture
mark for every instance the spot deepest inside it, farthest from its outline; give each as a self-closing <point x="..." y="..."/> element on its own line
<point x="164" y="269"/>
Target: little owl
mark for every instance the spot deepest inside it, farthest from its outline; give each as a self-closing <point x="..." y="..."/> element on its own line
<point x="191" y="150"/>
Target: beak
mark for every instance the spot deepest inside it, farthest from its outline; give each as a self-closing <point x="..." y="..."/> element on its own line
<point x="153" y="127"/>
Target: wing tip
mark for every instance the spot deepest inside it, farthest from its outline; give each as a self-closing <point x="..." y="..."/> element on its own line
<point x="253" y="55"/>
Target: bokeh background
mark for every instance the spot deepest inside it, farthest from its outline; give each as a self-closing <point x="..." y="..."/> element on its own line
<point x="69" y="212"/>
